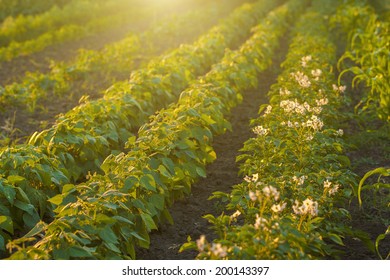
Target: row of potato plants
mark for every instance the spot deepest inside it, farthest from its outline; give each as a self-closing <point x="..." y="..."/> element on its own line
<point x="367" y="54"/>
<point x="111" y="214"/>
<point x="101" y="18"/>
<point x="63" y="78"/>
<point x="81" y="139"/>
<point x="297" y="181"/>
<point x="367" y="58"/>
<point x="23" y="28"/>
<point x="26" y="7"/>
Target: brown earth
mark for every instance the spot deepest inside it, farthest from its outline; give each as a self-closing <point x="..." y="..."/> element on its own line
<point x="221" y="176"/>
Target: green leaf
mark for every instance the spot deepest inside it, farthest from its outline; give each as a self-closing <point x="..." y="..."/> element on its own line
<point x="336" y="238"/>
<point x="136" y="235"/>
<point x="30" y="220"/>
<point x="158" y="201"/>
<point x="201" y="172"/>
<point x="167" y="216"/>
<point x="7" y="224"/>
<point x="112" y="247"/>
<point x="129" y="184"/>
<point x="122" y="219"/>
<point x="147" y="219"/>
<point x="9" y="193"/>
<point x="108" y="235"/>
<point x="378" y="240"/>
<point x="2" y="243"/>
<point x="164" y="171"/>
<point x="38" y="228"/>
<point x="56" y="200"/>
<point x="26" y="207"/>
<point x="79" y="252"/>
<point x="14" y="179"/>
<point x="381" y="170"/>
<point x="169" y="164"/>
<point x="148" y="182"/>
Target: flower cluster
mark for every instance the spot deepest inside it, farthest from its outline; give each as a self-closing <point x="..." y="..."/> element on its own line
<point x="339" y="88"/>
<point x="254" y="178"/>
<point x="260" y="222"/>
<point x="308" y="207"/>
<point x="284" y="92"/>
<point x="316" y="74"/>
<point x="302" y="79"/>
<point x="299" y="180"/>
<point x="260" y="130"/>
<point x="322" y="101"/>
<point x="270" y="191"/>
<point x="328" y="187"/>
<point x="235" y="215"/>
<point x="279" y="207"/>
<point x="268" y="110"/>
<point x="290" y="106"/>
<point x="305" y="60"/>
<point x="216" y="248"/>
<point x="315" y="123"/>
<point x="339" y="132"/>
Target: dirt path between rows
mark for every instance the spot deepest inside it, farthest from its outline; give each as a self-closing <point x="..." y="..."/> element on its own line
<point x="221" y="176"/>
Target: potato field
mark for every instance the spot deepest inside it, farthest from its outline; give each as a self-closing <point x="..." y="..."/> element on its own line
<point x="194" y="129"/>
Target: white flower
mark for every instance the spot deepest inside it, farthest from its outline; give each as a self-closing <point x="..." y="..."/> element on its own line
<point x="339" y="89"/>
<point x="218" y="250"/>
<point x="260" y="222"/>
<point x="314" y="122"/>
<point x="200" y="243"/>
<point x="305" y="60"/>
<point x="308" y="207"/>
<point x="269" y="191"/>
<point x="278" y="207"/>
<point x="299" y="181"/>
<point x="316" y="73"/>
<point x="260" y="130"/>
<point x="284" y="91"/>
<point x="334" y="190"/>
<point x="276" y="226"/>
<point x="316" y="110"/>
<point x="322" y="101"/>
<point x="268" y="110"/>
<point x="302" y="79"/>
<point x="339" y="132"/>
<point x="235" y="215"/>
<point x="254" y="178"/>
<point x="252" y="196"/>
<point x="327" y="184"/>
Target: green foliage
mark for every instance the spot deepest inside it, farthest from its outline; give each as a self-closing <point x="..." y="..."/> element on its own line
<point x="289" y="205"/>
<point x="24" y="35"/>
<point x="367" y="55"/>
<point x="137" y="187"/>
<point x="380" y="171"/>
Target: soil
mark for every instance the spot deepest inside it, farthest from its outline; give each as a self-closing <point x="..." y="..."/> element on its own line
<point x="221" y="176"/>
